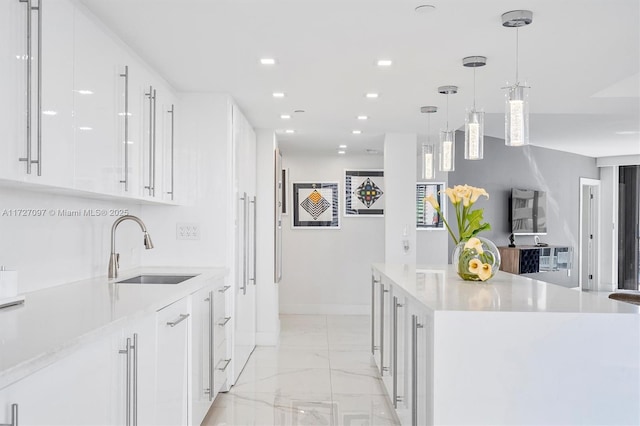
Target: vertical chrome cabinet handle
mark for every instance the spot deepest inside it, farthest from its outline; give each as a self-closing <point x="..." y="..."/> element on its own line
<point x="211" y="366"/>
<point x="127" y="352"/>
<point x="381" y="342"/>
<point x="245" y="241"/>
<point x="126" y="128"/>
<point x="153" y="190"/>
<point x="415" y="325"/>
<point x="394" y="352"/>
<point x="134" y="349"/>
<point x="27" y="159"/>
<point x="253" y="240"/>
<point x="39" y="95"/>
<point x="14" y="416"/>
<point x="373" y="313"/>
<point x="150" y="96"/>
<point x="171" y="111"/>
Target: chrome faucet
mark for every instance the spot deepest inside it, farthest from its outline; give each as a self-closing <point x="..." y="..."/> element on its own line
<point x="114" y="259"/>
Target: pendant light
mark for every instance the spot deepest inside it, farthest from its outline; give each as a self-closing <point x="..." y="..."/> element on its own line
<point x="517" y="103"/>
<point x="447" y="137"/>
<point x="428" y="150"/>
<point x="474" y="120"/>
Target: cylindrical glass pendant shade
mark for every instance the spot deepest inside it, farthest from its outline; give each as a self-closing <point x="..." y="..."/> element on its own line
<point x="428" y="153"/>
<point x="517" y="116"/>
<point x="474" y="135"/>
<point x="447" y="150"/>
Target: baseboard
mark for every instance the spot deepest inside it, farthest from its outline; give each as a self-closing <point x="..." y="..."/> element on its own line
<point x="317" y="309"/>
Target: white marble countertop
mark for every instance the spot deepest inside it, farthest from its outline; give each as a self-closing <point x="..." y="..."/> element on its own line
<point x="439" y="288"/>
<point x="54" y="321"/>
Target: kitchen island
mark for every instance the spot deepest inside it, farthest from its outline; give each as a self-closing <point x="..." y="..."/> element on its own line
<point x="510" y="351"/>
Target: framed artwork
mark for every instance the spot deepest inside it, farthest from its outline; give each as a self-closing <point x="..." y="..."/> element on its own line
<point x="284" y="177"/>
<point x="315" y="205"/>
<point x="364" y="193"/>
<point x="427" y="218"/>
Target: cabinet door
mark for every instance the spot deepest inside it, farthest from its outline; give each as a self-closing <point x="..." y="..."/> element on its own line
<point x="171" y="384"/>
<point x="49" y="125"/>
<point x="202" y="392"/>
<point x="134" y="373"/>
<point x="73" y="391"/>
<point x="13" y="60"/>
<point x="97" y="83"/>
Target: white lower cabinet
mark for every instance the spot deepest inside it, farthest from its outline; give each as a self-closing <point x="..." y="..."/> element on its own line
<point x="208" y="348"/>
<point x="73" y="391"/>
<point x="402" y="338"/>
<point x="171" y="379"/>
<point x="134" y="373"/>
<point x="161" y="369"/>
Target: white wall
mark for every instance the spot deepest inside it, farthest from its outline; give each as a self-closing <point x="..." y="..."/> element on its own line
<point x="55" y="249"/>
<point x="608" y="228"/>
<point x="325" y="270"/>
<point x="268" y="322"/>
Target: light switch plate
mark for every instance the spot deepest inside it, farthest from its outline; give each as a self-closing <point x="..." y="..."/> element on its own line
<point x="187" y="231"/>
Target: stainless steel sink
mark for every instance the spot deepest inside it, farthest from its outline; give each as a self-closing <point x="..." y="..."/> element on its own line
<point x="157" y="279"/>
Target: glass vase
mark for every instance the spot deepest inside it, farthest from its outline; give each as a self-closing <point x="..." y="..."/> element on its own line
<point x="477" y="259"/>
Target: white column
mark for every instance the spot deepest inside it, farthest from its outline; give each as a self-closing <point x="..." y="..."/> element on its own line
<point x="400" y="194"/>
<point x="268" y="327"/>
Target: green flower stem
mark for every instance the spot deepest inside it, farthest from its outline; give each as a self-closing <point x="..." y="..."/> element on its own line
<point x="455" y="240"/>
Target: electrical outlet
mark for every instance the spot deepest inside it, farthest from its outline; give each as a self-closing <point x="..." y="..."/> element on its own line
<point x="187" y="231"/>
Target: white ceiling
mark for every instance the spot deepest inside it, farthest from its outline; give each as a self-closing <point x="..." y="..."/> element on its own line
<point x="580" y="57"/>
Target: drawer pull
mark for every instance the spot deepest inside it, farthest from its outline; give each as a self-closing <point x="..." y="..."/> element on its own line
<point x="223" y="289"/>
<point x="224" y="322"/>
<point x="178" y="321"/>
<point x="226" y="364"/>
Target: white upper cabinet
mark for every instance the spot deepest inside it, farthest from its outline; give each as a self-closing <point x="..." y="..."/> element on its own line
<point x="37" y="114"/>
<point x="96" y="94"/>
<point x="86" y="112"/>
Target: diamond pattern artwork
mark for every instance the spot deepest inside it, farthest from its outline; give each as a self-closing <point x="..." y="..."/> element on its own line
<point x="368" y="192"/>
<point x="315" y="205"/>
<point x="364" y="193"/>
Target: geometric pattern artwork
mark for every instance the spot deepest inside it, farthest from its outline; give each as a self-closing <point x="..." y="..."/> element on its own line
<point x="427" y="218"/>
<point x="364" y="193"/>
<point x="315" y="205"/>
<point x="368" y="192"/>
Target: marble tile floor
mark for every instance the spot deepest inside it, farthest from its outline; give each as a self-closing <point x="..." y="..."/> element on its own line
<point x="320" y="374"/>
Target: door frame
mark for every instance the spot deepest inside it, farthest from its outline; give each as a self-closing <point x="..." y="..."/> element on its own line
<point x="587" y="182"/>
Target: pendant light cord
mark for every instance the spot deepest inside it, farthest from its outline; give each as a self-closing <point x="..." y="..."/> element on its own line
<point x="517" y="43"/>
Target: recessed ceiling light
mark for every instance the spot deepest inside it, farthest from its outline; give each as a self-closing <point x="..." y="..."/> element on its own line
<point x="371" y="95"/>
<point x="425" y="8"/>
<point x="356" y="132"/>
<point x="289" y="131"/>
<point x="342" y="152"/>
<point x="628" y="132"/>
<point x="342" y="147"/>
<point x="268" y="61"/>
<point x="285" y="116"/>
<point x="85" y="92"/>
<point x="278" y="95"/>
<point x="363" y="117"/>
<point x="49" y="113"/>
<point x="384" y="62"/>
<point x="85" y="128"/>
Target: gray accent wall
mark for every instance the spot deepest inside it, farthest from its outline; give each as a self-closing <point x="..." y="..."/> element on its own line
<point x="556" y="172"/>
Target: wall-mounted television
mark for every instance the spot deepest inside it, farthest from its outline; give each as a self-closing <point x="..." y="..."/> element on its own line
<point x="528" y="212"/>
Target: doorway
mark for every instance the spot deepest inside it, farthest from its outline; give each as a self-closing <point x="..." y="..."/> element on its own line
<point x="629" y="228"/>
<point x="589" y="248"/>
